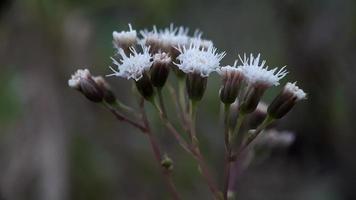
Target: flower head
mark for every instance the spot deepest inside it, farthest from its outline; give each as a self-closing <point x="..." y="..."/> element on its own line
<point x="197" y="60"/>
<point x="296" y="92"/>
<point x="152" y="39"/>
<point x="232" y="79"/>
<point x="197" y="40"/>
<point x="257" y="73"/>
<point x="83" y="81"/>
<point x="174" y="36"/>
<point x="285" y="100"/>
<point x="125" y="39"/>
<point x="160" y="69"/>
<point x="74" y="81"/>
<point x="134" y="65"/>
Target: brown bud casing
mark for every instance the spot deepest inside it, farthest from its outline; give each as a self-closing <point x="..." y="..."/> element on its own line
<point x="281" y="105"/>
<point x="109" y="96"/>
<point x="160" y="69"/>
<point x="91" y="90"/>
<point x="196" y="85"/>
<point x="231" y="85"/>
<point x="145" y="87"/>
<point x="251" y="99"/>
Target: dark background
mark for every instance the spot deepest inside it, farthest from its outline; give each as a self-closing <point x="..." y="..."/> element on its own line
<point x="54" y="144"/>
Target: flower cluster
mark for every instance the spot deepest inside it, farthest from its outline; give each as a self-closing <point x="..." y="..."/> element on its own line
<point x="147" y="60"/>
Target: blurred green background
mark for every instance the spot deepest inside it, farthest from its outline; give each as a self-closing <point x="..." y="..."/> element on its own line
<point x="55" y="145"/>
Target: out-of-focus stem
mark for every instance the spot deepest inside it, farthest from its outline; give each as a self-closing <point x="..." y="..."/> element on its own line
<point x="236" y="130"/>
<point x="181" y="91"/>
<point x="191" y="149"/>
<point x="121" y="117"/>
<point x="267" y="121"/>
<point x="161" y="102"/>
<point x="158" y="155"/>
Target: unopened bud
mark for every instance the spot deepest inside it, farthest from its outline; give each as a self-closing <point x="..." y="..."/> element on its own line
<point x="160" y="69"/>
<point x="196" y="85"/>
<point x="109" y="96"/>
<point x="232" y="78"/>
<point x="145" y="87"/>
<point x="83" y="82"/>
<point x="251" y="99"/>
<point x="285" y="100"/>
<point x="167" y="162"/>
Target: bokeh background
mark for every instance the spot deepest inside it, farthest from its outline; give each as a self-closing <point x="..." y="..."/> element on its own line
<point x="55" y="144"/>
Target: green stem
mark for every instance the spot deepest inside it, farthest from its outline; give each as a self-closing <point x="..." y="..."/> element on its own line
<point x="161" y="102"/>
<point x="228" y="150"/>
<point x="181" y="93"/>
<point x="193" y="114"/>
<point x="235" y="131"/>
<point x="267" y="121"/>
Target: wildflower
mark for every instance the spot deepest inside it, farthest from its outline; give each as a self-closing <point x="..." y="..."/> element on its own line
<point x="198" y="41"/>
<point x="232" y="79"/>
<point x="284" y="102"/>
<point x="82" y="81"/>
<point x="125" y="39"/>
<point x="160" y="69"/>
<point x="172" y="38"/>
<point x="135" y="66"/>
<point x="151" y="39"/>
<point x="198" y="63"/>
<point x="259" y="79"/>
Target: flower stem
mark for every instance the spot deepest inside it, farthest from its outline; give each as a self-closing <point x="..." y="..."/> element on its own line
<point x="193" y="115"/>
<point x="161" y="102"/>
<point x="227" y="136"/>
<point x="158" y="155"/>
<point x="267" y="121"/>
<point x="193" y="150"/>
<point x="181" y="92"/>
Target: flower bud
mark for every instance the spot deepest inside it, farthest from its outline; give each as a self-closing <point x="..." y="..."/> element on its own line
<point x="167" y="163"/>
<point x="145" y="87"/>
<point x="109" y="96"/>
<point x="160" y="69"/>
<point x="251" y="99"/>
<point x="196" y="85"/>
<point x="83" y="82"/>
<point x="232" y="78"/>
<point x="285" y="100"/>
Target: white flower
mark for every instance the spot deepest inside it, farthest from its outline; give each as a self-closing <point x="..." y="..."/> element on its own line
<point x="228" y="69"/>
<point x="125" y="38"/>
<point x="298" y="93"/>
<point x="162" y="57"/>
<point x="259" y="74"/>
<point x="74" y="81"/>
<point x="198" y="60"/>
<point x="134" y="65"/>
<point x="197" y="40"/>
<point x="173" y="36"/>
<point x="149" y="37"/>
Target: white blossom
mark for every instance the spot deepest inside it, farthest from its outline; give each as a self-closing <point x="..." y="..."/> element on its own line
<point x="194" y="59"/>
<point x="74" y="81"/>
<point x="134" y="65"/>
<point x="174" y="36"/>
<point x="229" y="69"/>
<point x="298" y="93"/>
<point x="125" y="38"/>
<point x="259" y="74"/>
